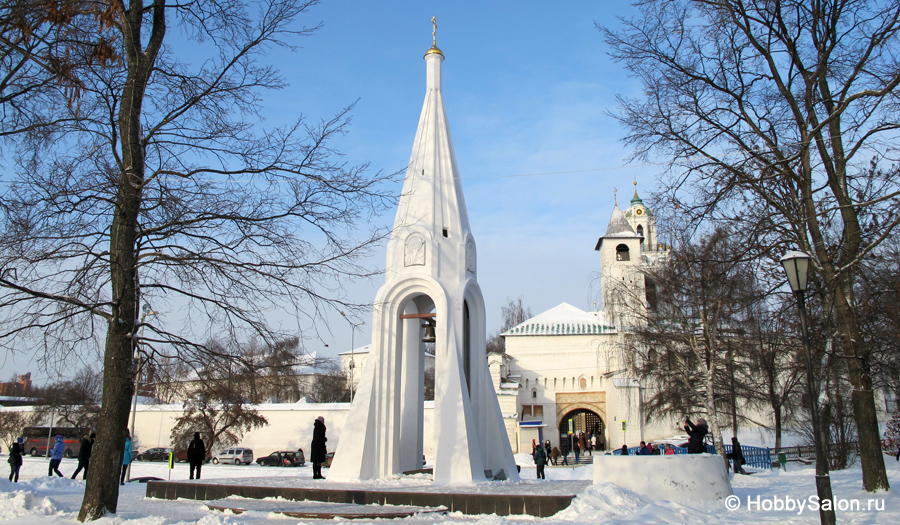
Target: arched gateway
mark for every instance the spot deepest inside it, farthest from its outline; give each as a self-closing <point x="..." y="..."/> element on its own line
<point x="582" y="420"/>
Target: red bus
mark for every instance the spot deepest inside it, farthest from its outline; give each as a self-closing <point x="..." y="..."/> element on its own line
<point x="36" y="439"/>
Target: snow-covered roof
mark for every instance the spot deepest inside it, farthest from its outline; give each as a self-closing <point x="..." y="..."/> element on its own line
<point x="619" y="226"/>
<point x="364" y="350"/>
<point x="564" y="319"/>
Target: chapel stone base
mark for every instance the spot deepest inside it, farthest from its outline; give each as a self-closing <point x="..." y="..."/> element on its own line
<point x="675" y="478"/>
<point x="536" y="498"/>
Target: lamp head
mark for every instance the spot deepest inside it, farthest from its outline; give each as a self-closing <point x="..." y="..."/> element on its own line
<point x="796" y="266"/>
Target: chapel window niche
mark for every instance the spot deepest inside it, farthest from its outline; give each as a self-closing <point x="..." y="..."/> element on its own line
<point x="583" y="383"/>
<point x="622" y="253"/>
<point x="640" y="231"/>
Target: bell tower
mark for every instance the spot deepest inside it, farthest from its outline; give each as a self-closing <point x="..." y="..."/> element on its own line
<point x="621" y="280"/>
<point x="430" y="286"/>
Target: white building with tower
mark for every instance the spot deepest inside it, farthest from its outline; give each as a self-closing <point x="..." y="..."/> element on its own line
<point x="567" y="369"/>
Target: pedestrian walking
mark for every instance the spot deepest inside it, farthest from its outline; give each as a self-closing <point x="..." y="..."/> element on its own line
<point x="15" y="460"/>
<point x="577" y="451"/>
<point x="540" y="460"/>
<point x="548" y="449"/>
<point x="318" y="451"/>
<point x="554" y="455"/>
<point x="737" y="456"/>
<point x="127" y="457"/>
<point x="196" y="454"/>
<point x="564" y="452"/>
<point x="56" y="454"/>
<point x="84" y="455"/>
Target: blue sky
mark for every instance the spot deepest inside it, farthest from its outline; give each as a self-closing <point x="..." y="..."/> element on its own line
<point x="526" y="86"/>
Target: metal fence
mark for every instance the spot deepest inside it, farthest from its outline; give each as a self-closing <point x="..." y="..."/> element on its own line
<point x="756" y="457"/>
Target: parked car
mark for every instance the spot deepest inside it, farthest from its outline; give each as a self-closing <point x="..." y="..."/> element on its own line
<point x="154" y="454"/>
<point x="234" y="455"/>
<point x="283" y="458"/>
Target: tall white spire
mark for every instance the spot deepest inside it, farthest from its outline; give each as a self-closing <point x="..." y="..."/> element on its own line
<point x="430" y="280"/>
<point x="432" y="198"/>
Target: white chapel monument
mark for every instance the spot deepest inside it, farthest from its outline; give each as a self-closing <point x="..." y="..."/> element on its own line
<point x="430" y="292"/>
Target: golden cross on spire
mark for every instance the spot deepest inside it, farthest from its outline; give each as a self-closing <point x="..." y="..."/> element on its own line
<point x="434" y="31"/>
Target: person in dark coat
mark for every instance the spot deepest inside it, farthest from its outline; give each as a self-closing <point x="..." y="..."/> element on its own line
<point x="737" y="456"/>
<point x="540" y="460"/>
<point x="196" y="453"/>
<point x="318" y="451"/>
<point x="15" y="460"/>
<point x="554" y="455"/>
<point x="84" y="455"/>
<point x="624" y="450"/>
<point x="548" y="450"/>
<point x="696" y="434"/>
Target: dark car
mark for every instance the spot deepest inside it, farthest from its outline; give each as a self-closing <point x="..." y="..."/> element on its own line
<point x="154" y="454"/>
<point x="283" y="458"/>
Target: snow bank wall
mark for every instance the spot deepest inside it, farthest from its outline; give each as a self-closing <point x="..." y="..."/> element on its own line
<point x="678" y="478"/>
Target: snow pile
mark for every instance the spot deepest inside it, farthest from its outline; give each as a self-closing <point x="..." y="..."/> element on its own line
<point x="601" y="502"/>
<point x="524" y="460"/>
<point x="24" y="503"/>
<point x="54" y="484"/>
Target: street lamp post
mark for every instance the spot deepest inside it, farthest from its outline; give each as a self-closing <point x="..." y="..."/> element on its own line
<point x="135" y="361"/>
<point x="796" y="265"/>
<point x="351" y="365"/>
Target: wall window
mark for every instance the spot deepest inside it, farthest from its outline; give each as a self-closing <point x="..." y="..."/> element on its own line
<point x="622" y="253"/>
<point x="532" y="412"/>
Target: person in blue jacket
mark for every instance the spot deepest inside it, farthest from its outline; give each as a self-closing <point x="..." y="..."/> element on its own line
<point x="127" y="457"/>
<point x="56" y="454"/>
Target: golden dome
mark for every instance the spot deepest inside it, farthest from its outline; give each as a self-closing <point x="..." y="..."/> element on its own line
<point x="434" y="51"/>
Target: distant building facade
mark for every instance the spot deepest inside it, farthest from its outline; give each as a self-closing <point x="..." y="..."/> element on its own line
<point x="566" y="370"/>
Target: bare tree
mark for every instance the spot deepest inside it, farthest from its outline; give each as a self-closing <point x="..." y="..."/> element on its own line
<point x="165" y="190"/>
<point x="74" y="402"/>
<point x="512" y="313"/>
<point x="772" y="372"/>
<point x="330" y="385"/>
<point x="220" y="413"/>
<point x="684" y="346"/>
<point x="12" y="423"/>
<point x="780" y="117"/>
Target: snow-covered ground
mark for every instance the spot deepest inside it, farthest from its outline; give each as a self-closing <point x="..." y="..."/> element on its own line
<point x="38" y="499"/>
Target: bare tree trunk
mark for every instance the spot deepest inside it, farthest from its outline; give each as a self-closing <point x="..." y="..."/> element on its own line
<point x="863" y="399"/>
<point x="778" y="423"/>
<point x="711" y="413"/>
<point x="102" y="490"/>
